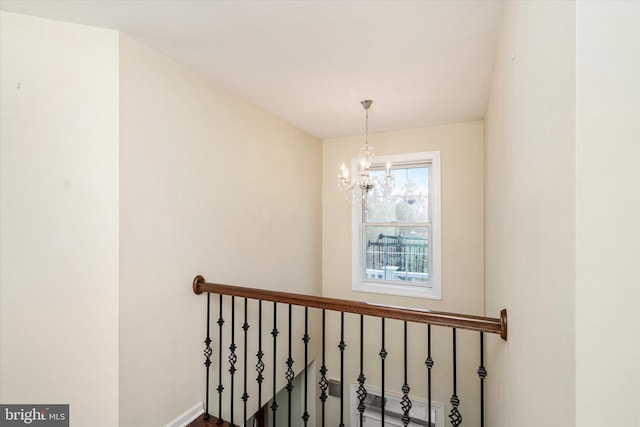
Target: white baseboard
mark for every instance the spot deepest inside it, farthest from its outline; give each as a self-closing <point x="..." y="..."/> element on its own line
<point x="186" y="417"/>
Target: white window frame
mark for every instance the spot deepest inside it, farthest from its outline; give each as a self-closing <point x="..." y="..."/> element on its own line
<point x="359" y="282"/>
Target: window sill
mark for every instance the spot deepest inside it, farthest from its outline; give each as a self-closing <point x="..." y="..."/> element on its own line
<point x="398" y="289"/>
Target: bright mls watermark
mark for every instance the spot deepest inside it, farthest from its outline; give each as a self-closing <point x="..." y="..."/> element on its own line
<point x="34" y="415"/>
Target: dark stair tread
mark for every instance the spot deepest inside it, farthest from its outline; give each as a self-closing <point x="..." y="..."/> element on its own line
<point x="211" y="422"/>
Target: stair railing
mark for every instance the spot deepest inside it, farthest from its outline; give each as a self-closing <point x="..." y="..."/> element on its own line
<point x="483" y="325"/>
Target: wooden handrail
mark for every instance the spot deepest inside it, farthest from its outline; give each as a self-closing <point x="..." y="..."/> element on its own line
<point x="452" y="320"/>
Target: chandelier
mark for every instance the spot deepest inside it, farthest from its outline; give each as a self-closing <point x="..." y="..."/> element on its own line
<point x="363" y="181"/>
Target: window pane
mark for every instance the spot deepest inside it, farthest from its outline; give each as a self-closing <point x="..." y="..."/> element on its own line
<point x="407" y="201"/>
<point x="399" y="254"/>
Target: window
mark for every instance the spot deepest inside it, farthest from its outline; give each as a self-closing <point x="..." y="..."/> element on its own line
<point x="396" y="231"/>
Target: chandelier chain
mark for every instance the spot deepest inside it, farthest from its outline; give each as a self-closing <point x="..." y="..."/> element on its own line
<point x="366" y="129"/>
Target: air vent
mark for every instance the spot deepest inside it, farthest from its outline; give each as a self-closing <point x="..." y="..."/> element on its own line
<point x="393" y="409"/>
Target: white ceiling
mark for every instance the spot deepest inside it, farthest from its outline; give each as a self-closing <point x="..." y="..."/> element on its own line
<point x="312" y="62"/>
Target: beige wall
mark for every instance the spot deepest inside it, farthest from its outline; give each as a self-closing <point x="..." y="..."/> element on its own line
<point x="462" y="215"/>
<point x="209" y="184"/>
<point x="530" y="215"/>
<point x="461" y="147"/>
<point x="608" y="213"/>
<point x="201" y="177"/>
<point x="59" y="217"/>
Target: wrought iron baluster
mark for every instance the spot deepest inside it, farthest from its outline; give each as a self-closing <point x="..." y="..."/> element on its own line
<point x="220" y="386"/>
<point x="306" y="339"/>
<point x="342" y="346"/>
<point x="324" y="383"/>
<point x="383" y="355"/>
<point x="289" y="374"/>
<point x="362" y="391"/>
<point x="454" y="321"/>
<point x="207" y="354"/>
<point x="259" y="355"/>
<point x="232" y="355"/>
<point x="429" y="363"/>
<point x="245" y="396"/>
<point x="455" y="416"/>
<point x="405" y="402"/>
<point x="274" y="334"/>
<point x="482" y="373"/>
